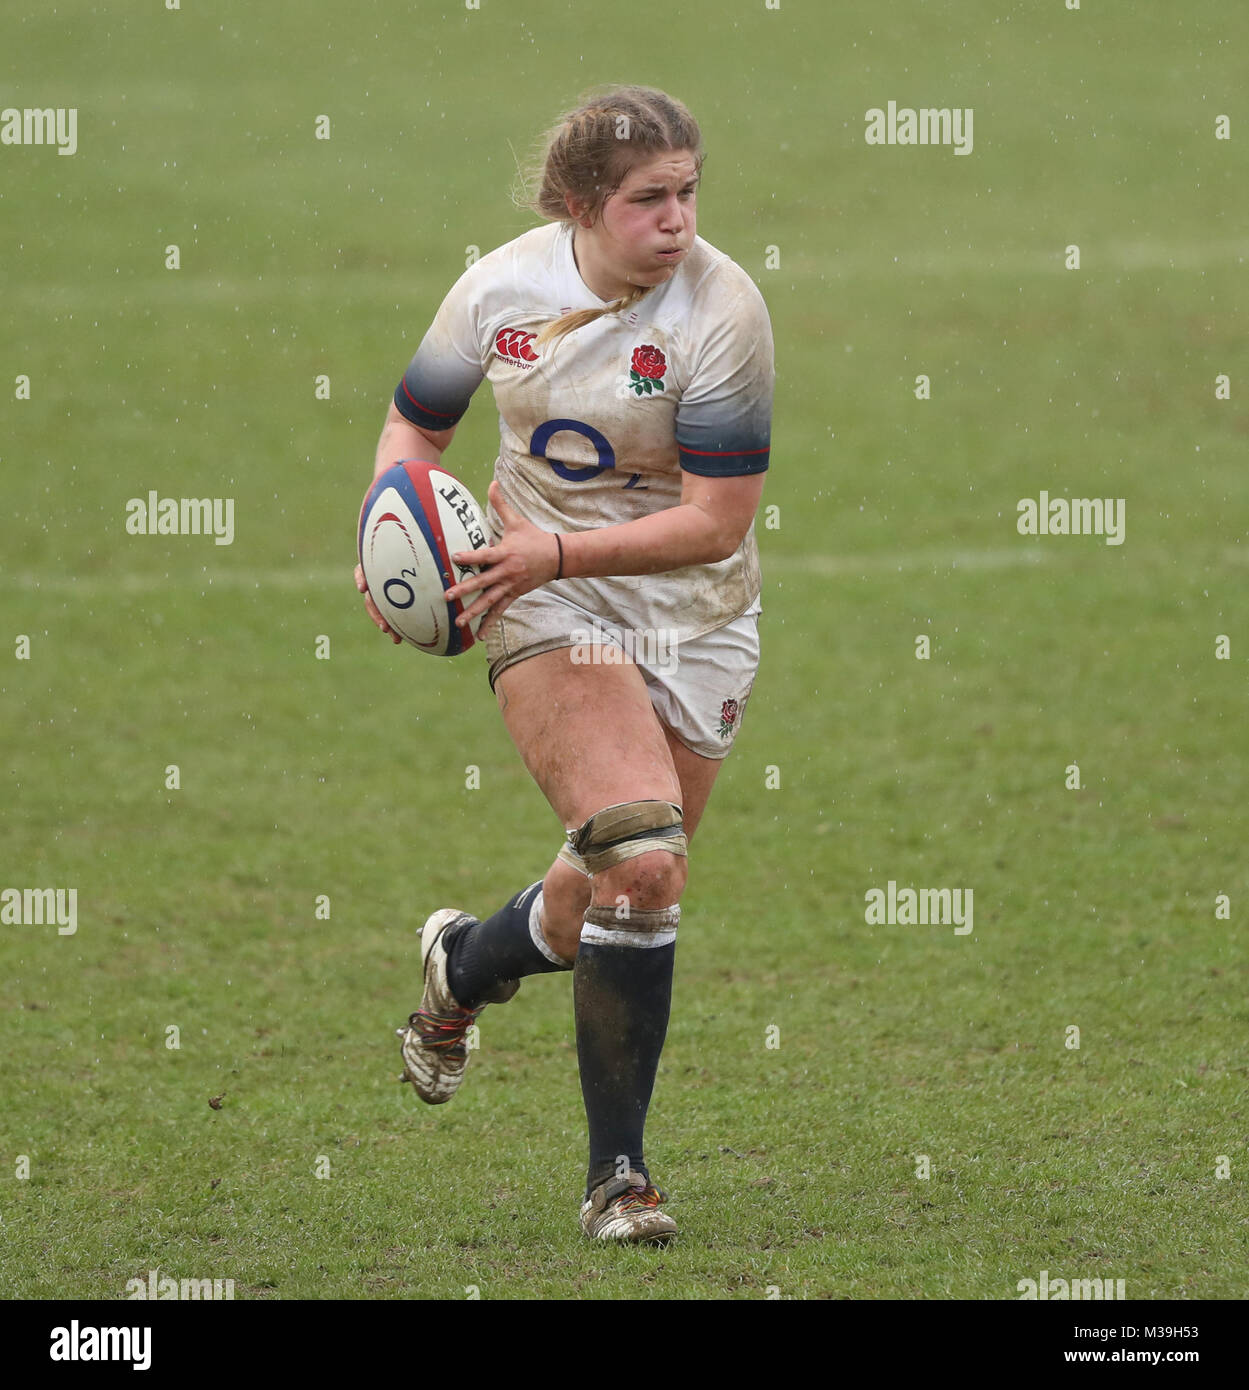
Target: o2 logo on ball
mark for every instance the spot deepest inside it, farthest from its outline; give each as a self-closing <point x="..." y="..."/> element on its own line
<point x="409" y="595"/>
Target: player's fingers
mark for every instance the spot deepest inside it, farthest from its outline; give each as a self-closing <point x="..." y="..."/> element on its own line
<point x="472" y="613"/>
<point x="481" y="561"/>
<point x="507" y="571"/>
<point x="487" y="555"/>
<point x="490" y="599"/>
<point x="469" y="584"/>
<point x="500" y="504"/>
<point x="372" y="610"/>
<point x="492" y="617"/>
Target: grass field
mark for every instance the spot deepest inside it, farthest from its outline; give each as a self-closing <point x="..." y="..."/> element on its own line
<point x="793" y="1168"/>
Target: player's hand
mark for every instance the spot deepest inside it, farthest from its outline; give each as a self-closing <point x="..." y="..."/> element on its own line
<point x="525" y="558"/>
<point x="371" y="608"/>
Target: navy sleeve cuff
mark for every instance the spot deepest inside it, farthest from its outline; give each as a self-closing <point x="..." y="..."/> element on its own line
<point x="416" y="413"/>
<point x="709" y="464"/>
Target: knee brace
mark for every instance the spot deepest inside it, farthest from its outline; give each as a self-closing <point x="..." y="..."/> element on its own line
<point x="623" y="831"/>
<point x="569" y="856"/>
<point x="604" y="926"/>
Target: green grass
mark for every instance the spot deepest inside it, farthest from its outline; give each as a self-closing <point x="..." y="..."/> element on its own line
<point x="792" y="1168"/>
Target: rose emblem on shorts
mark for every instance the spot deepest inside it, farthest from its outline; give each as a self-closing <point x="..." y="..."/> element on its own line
<point x="728" y="718"/>
<point x="647" y="370"/>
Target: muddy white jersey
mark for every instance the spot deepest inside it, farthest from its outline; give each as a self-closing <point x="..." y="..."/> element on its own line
<point x="596" y="427"/>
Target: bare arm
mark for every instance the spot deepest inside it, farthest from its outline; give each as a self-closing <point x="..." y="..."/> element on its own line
<point x="707" y="525"/>
<point x="713" y="516"/>
<point x="401" y="439"/>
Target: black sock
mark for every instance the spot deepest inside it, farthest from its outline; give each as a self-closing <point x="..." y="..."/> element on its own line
<point x="621" y="995"/>
<point x="483" y="955"/>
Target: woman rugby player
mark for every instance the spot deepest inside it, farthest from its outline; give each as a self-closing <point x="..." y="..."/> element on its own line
<point x="632" y="368"/>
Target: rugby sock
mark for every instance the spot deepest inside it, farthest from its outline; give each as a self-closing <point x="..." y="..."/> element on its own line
<point x="621" y="998"/>
<point x="481" y="955"/>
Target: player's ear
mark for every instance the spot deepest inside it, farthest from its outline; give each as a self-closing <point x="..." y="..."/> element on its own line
<point x="576" y="210"/>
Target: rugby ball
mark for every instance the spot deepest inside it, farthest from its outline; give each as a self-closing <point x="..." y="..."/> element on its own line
<point x="414" y="518"/>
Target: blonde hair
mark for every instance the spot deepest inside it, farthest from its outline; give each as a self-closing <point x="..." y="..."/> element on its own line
<point x="588" y="153"/>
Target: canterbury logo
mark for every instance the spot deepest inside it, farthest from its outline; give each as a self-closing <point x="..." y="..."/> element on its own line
<point x="515" y="345"/>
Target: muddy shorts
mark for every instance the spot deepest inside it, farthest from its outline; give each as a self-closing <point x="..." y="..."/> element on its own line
<point x="698" y="687"/>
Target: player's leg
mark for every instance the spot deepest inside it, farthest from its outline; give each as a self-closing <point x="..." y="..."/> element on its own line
<point x="699" y="701"/>
<point x="566" y="893"/>
<point x="591" y="740"/>
<point x="697" y="776"/>
<point x="699" y="704"/>
<point x="538" y="929"/>
<point x="486" y="958"/>
<point x="468" y="963"/>
<point x="566" y="888"/>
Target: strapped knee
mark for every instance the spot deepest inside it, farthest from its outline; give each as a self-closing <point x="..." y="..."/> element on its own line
<point x="632" y="926"/>
<point x="569" y="856"/>
<point x="623" y="831"/>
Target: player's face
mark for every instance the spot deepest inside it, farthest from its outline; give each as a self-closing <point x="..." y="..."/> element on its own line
<point x="646" y="228"/>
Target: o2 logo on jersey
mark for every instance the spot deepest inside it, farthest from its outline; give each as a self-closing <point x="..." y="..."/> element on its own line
<point x="542" y="437"/>
<point x="606" y="454"/>
<point x="515" y="346"/>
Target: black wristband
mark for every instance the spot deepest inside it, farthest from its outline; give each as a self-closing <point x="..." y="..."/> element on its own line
<point x="559" y="573"/>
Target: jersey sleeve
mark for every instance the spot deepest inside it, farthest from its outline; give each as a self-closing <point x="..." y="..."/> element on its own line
<point x="447" y="367"/>
<point x="724" y="416"/>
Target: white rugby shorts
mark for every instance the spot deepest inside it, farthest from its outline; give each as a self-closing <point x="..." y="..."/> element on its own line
<point x="698" y="687"/>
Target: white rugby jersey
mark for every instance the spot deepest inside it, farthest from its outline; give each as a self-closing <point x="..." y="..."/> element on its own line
<point x="596" y="427"/>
